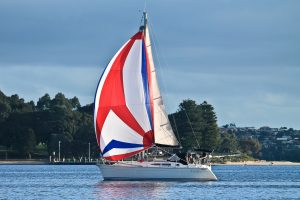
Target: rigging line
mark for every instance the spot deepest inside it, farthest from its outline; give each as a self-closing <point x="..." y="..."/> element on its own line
<point x="145" y="5"/>
<point x="192" y="128"/>
<point x="178" y="136"/>
<point x="155" y="54"/>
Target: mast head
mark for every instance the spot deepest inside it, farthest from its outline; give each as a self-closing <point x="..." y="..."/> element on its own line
<point x="145" y="18"/>
<point x="142" y="28"/>
<point x="145" y="24"/>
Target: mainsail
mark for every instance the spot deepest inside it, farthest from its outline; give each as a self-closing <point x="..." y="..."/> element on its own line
<point x="129" y="114"/>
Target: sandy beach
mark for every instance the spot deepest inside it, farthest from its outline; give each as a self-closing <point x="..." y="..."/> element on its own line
<point x="23" y="162"/>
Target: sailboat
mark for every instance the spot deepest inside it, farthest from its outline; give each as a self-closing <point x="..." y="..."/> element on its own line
<point x="130" y="117"/>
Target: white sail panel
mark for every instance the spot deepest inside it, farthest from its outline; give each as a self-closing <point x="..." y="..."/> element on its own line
<point x="113" y="124"/>
<point x="166" y="135"/>
<point x="133" y="85"/>
<point x="163" y="133"/>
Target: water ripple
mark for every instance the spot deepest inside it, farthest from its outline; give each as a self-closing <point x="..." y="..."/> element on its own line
<point x="84" y="182"/>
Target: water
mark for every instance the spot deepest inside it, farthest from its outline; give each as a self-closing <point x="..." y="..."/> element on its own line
<point x="84" y="182"/>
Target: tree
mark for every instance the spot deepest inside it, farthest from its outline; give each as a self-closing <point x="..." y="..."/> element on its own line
<point x="4" y="111"/>
<point x="22" y="125"/>
<point x="83" y="136"/>
<point x="75" y="103"/>
<point x="15" y="102"/>
<point x="61" y="101"/>
<point x="210" y="130"/>
<point x="250" y="146"/>
<point x="187" y="121"/>
<point x="229" y="143"/>
<point x="44" y="102"/>
<point x="196" y="125"/>
<point x="18" y="104"/>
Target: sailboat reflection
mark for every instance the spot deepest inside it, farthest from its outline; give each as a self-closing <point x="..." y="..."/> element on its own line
<point x="131" y="190"/>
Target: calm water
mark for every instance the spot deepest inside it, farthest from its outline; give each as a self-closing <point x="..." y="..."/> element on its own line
<point x="84" y="182"/>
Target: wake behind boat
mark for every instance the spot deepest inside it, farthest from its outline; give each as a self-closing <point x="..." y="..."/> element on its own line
<point x="130" y="118"/>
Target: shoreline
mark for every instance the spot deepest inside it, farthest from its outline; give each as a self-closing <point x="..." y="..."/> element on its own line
<point x="40" y="162"/>
<point x="24" y="162"/>
<point x="259" y="163"/>
<point x="244" y="163"/>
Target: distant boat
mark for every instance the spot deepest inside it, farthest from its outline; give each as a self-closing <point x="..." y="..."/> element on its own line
<point x="130" y="118"/>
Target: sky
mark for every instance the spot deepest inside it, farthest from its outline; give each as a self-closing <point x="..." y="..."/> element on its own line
<point x="243" y="57"/>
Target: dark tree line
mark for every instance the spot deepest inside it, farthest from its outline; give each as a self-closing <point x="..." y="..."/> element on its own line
<point x="34" y="130"/>
<point x="29" y="130"/>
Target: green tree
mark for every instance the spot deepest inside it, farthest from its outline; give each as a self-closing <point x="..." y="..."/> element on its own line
<point x="187" y="122"/>
<point x="250" y="146"/>
<point x="61" y="101"/>
<point x="196" y="125"/>
<point x="85" y="135"/>
<point x="44" y="102"/>
<point x="229" y="143"/>
<point x="210" y="130"/>
<point x="4" y="111"/>
<point x="75" y="103"/>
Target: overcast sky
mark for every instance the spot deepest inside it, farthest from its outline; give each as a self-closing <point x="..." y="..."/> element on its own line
<point x="243" y="57"/>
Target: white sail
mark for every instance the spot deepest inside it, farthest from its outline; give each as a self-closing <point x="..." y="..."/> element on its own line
<point x="163" y="133"/>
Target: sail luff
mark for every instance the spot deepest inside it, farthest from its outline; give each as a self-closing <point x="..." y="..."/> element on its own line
<point x="163" y="133"/>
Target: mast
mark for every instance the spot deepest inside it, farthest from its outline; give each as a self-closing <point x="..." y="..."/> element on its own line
<point x="145" y="22"/>
<point x="163" y="133"/>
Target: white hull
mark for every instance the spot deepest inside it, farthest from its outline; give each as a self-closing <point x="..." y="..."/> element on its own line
<point x="146" y="171"/>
